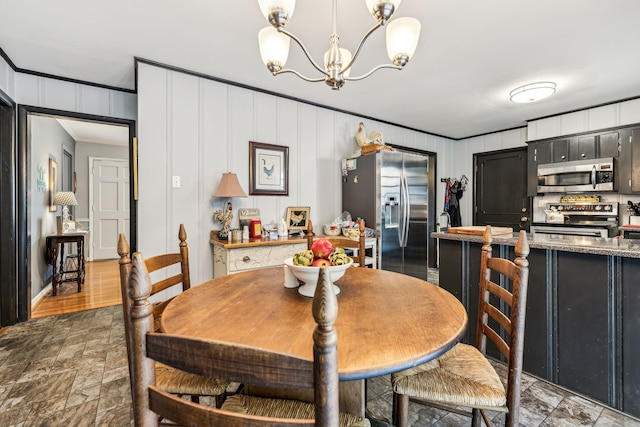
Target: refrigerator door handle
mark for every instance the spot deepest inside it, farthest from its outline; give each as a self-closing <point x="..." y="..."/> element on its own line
<point x="401" y="213"/>
<point x="404" y="230"/>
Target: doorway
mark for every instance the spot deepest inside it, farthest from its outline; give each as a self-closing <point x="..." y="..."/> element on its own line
<point x="36" y="275"/>
<point x="501" y="189"/>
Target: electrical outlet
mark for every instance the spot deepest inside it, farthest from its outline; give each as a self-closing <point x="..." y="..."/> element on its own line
<point x="176" y="182"/>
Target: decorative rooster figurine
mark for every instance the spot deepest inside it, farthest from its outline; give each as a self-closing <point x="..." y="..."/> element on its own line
<point x="374" y="138"/>
<point x="225" y="217"/>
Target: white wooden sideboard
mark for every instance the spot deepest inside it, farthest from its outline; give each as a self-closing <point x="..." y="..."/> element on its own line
<point x="252" y="254"/>
<point x="235" y="257"/>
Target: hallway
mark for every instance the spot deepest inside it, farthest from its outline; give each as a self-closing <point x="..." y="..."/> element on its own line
<point x="101" y="289"/>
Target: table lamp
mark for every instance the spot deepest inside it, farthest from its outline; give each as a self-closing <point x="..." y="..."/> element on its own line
<point x="65" y="199"/>
<point x="229" y="187"/>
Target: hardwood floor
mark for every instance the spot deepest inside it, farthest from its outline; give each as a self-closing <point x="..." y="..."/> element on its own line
<point x="101" y="289"/>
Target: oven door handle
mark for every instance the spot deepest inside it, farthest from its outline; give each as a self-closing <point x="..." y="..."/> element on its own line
<point x="568" y="232"/>
<point x="593" y="177"/>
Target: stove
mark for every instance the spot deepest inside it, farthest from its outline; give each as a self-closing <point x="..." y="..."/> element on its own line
<point x="584" y="215"/>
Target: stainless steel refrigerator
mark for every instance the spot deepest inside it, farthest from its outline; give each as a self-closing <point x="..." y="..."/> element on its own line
<point x="389" y="190"/>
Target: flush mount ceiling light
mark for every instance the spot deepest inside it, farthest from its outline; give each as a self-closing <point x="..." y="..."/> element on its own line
<point x="533" y="92"/>
<point x="402" y="39"/>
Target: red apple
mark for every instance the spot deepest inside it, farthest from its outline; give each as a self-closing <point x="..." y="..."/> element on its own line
<point x="321" y="248"/>
<point x="321" y="262"/>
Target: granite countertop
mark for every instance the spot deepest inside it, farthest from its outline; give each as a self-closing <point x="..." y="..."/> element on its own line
<point x="629" y="248"/>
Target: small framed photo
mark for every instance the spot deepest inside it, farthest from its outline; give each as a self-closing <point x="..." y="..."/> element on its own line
<point x="297" y="218"/>
<point x="268" y="169"/>
<point x="53" y="183"/>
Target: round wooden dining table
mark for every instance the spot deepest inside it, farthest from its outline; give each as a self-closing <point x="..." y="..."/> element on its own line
<point x="386" y="321"/>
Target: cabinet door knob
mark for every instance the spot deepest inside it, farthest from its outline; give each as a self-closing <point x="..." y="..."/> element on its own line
<point x="524" y="219"/>
<point x="583" y="155"/>
<point x="246" y="258"/>
<point x="563" y="157"/>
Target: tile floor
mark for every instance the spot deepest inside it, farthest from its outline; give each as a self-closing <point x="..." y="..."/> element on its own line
<point x="71" y="370"/>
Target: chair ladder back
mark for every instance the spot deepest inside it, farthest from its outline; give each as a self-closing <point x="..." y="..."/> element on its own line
<point x="222" y="360"/>
<point x="167" y="283"/>
<point x="167" y="260"/>
<point x="158" y="262"/>
<point x="213" y="358"/>
<point x="345" y="242"/>
<point x="517" y="273"/>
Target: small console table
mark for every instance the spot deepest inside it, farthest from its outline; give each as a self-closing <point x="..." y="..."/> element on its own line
<point x="55" y="245"/>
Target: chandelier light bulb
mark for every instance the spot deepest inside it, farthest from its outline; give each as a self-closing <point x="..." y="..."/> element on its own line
<point x="532" y="92"/>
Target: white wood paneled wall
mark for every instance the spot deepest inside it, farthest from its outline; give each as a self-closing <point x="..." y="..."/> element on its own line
<point x="76" y="97"/>
<point x="198" y="129"/>
<point x="7" y="79"/>
<point x="593" y="119"/>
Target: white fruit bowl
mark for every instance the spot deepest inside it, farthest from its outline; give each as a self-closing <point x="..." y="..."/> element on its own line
<point x="309" y="275"/>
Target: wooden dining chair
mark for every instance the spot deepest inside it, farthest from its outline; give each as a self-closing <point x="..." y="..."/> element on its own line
<point x="171" y="380"/>
<point x="241" y="363"/>
<point x="347" y="243"/>
<point x="463" y="376"/>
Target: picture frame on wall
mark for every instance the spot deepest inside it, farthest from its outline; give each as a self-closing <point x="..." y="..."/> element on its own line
<point x="53" y="183"/>
<point x="268" y="169"/>
<point x="298" y="218"/>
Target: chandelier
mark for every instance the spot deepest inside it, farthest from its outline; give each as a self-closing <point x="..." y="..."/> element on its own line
<point x="402" y="39"/>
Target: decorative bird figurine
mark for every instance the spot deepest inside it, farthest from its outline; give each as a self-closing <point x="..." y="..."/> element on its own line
<point x="268" y="171"/>
<point x="225" y="217"/>
<point x="374" y="138"/>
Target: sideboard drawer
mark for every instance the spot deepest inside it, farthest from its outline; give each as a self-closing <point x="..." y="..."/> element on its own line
<point x="261" y="257"/>
<point x="229" y="261"/>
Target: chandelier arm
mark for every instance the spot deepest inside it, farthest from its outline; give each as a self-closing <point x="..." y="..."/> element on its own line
<point x="306" y="52"/>
<point x="373" y="70"/>
<point x="288" y="70"/>
<point x="364" y="38"/>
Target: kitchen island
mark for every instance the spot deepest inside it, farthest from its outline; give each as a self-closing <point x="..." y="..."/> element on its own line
<point x="583" y="309"/>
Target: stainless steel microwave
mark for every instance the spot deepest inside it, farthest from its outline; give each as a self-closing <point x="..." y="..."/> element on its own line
<point x="577" y="176"/>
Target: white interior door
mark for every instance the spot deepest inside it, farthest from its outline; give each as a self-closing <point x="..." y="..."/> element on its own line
<point x="109" y="206"/>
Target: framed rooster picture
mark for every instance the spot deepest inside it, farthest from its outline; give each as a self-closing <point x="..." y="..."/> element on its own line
<point x="297" y="218"/>
<point x="268" y="169"/>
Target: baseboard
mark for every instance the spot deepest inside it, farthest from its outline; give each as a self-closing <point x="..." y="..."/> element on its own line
<point x="38" y="298"/>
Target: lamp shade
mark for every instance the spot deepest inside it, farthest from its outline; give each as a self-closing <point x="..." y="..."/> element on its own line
<point x="229" y="186"/>
<point x="346" y="58"/>
<point x="274" y="46"/>
<point x="65" y="198"/>
<point x="402" y="37"/>
<point x="284" y="6"/>
<point x="381" y="9"/>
